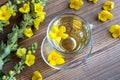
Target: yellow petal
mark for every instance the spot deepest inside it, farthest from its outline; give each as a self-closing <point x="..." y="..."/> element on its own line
<point x="54" y="28"/>
<point x="71" y="6"/>
<point x="37" y="76"/>
<point x="110" y="16"/>
<point x="108" y="5"/>
<point x="60" y="61"/>
<point x="115" y="35"/>
<point x="57" y="40"/>
<point x="62" y="29"/>
<point x="64" y="36"/>
<point x="38" y="7"/>
<point x="112" y="28"/>
<point x="53" y="63"/>
<point x="51" y="35"/>
<point x="28" y="32"/>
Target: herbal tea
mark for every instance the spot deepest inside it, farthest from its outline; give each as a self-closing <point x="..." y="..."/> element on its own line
<point x="77" y="31"/>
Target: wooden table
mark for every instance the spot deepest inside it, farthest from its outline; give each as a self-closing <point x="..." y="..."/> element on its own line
<point x="104" y="64"/>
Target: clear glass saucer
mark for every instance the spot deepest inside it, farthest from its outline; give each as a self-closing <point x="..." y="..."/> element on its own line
<point x="71" y="60"/>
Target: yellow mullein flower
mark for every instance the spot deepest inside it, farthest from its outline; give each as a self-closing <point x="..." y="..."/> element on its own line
<point x="108" y="5"/>
<point x="115" y="30"/>
<point x="39" y="19"/>
<point x="38" y="7"/>
<point x="37" y="76"/>
<point x="21" y="52"/>
<point x="76" y="4"/>
<point x="4" y="77"/>
<point x="55" y="58"/>
<point x="94" y="1"/>
<point x="11" y="72"/>
<point x="5" y="12"/>
<point x="14" y="78"/>
<point x="105" y="15"/>
<point x="37" y="22"/>
<point x="30" y="59"/>
<point x="57" y="33"/>
<point x="41" y="15"/>
<point x="28" y="32"/>
<point x="25" y="8"/>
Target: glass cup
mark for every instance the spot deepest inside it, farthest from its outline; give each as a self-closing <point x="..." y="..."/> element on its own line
<point x="74" y="40"/>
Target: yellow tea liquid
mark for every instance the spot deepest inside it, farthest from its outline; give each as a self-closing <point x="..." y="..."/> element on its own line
<point x="77" y="31"/>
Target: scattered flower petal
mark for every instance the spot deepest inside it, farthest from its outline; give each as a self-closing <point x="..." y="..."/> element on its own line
<point x="115" y="30"/>
<point x="37" y="76"/>
<point x="108" y="5"/>
<point x="76" y="4"/>
<point x="105" y="15"/>
<point x="55" y="58"/>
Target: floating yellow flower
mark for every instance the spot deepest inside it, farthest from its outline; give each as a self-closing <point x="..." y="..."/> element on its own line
<point x="76" y="4"/>
<point x="115" y="30"/>
<point x="28" y="32"/>
<point x="37" y="76"/>
<point x="5" y="12"/>
<point x="57" y="33"/>
<point x="38" y="7"/>
<point x="30" y="59"/>
<point x="94" y="1"/>
<point x="55" y="58"/>
<point x="25" y="8"/>
<point x="39" y="19"/>
<point x="21" y="52"/>
<point x="105" y="15"/>
<point x="108" y="5"/>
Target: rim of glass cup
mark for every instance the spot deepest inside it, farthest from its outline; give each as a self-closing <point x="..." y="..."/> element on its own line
<point x="67" y="14"/>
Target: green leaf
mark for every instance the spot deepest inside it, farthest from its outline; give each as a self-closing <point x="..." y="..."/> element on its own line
<point x="12" y="6"/>
<point x="2" y="45"/>
<point x="1" y="63"/>
<point x="13" y="37"/>
<point x="14" y="47"/>
<point x="28" y="19"/>
<point x="33" y="47"/>
<point x="43" y="2"/>
<point x="6" y="59"/>
<point x="2" y="24"/>
<point x="6" y="52"/>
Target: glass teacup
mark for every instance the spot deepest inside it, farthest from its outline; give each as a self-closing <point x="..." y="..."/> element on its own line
<point x="72" y="39"/>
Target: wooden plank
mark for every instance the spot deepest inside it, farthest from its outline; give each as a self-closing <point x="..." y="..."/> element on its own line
<point x="102" y="65"/>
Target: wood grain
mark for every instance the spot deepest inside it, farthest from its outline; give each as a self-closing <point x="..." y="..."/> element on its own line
<point x="104" y="64"/>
